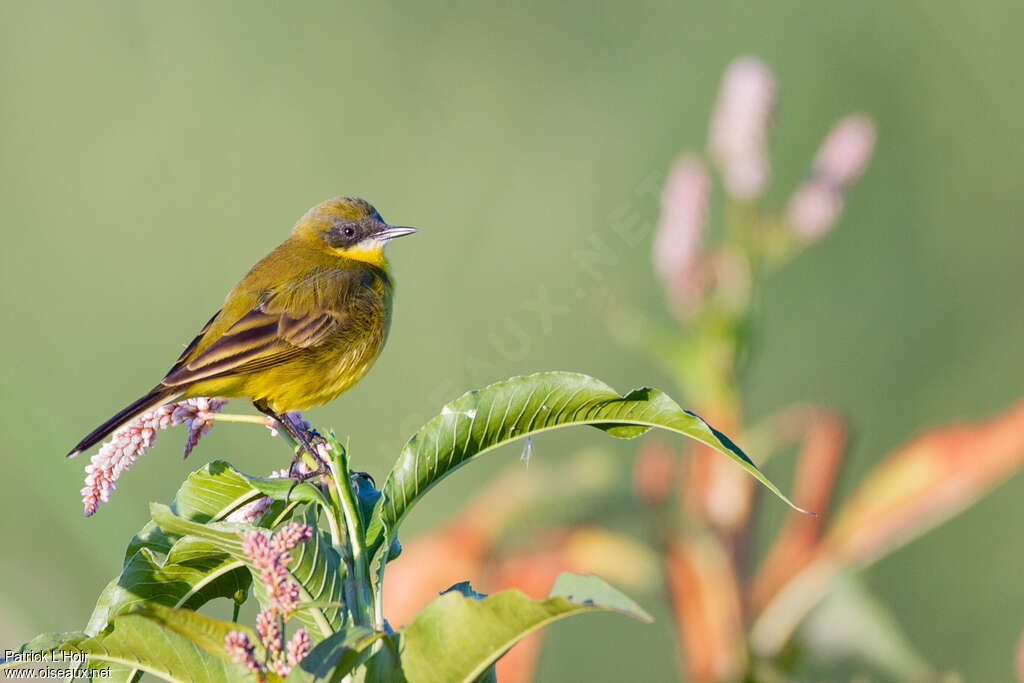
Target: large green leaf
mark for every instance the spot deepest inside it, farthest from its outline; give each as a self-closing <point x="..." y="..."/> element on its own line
<point x="315" y="566"/>
<point x="163" y="568"/>
<point x="335" y="657"/>
<point x="457" y="638"/>
<point x="208" y="494"/>
<point x="172" y="645"/>
<point x="193" y="573"/>
<point x="482" y="420"/>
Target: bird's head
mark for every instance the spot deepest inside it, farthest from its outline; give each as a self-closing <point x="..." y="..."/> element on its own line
<point x="349" y="227"/>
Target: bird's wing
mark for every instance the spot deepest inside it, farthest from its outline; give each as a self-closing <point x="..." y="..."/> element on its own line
<point x="183" y="358"/>
<point x="274" y="331"/>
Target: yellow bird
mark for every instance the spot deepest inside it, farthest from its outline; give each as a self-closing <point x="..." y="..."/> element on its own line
<point x="304" y="325"/>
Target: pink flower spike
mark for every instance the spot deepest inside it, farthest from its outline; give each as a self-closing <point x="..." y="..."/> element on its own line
<point x="846" y="151"/>
<point x="298" y="647"/>
<point x="251" y="512"/>
<point x="739" y="126"/>
<point x="198" y="420"/>
<point x="287" y="538"/>
<point x="241" y="650"/>
<point x="269" y="629"/>
<point x="676" y="253"/>
<point x="813" y="209"/>
<point x="134" y="440"/>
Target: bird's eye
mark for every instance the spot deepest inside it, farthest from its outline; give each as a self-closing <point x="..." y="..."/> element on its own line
<point x="349" y="231"/>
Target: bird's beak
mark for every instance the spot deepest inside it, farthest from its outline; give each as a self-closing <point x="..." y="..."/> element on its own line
<point x="393" y="231"/>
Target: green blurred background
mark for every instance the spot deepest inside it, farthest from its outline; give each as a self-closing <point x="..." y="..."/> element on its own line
<point x="151" y="152"/>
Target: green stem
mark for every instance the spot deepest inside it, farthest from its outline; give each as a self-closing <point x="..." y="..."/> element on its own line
<point x="378" y="598"/>
<point x="363" y="590"/>
<point x="237" y="417"/>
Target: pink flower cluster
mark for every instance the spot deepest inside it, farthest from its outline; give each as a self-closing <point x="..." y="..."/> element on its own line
<point x="738" y="146"/>
<point x="739" y="126"/>
<point x="843" y="156"/>
<point x="251" y="512"/>
<point x="135" y="439"/>
<point x="684" y="208"/>
<point x="271" y="556"/>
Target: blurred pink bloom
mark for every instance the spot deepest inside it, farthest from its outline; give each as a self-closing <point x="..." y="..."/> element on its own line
<point x="843" y="156"/>
<point x="135" y="439"/>
<point x="739" y="126"/>
<point x="241" y="650"/>
<point x="814" y="208"/>
<point x="684" y="206"/>
<point x="846" y="151"/>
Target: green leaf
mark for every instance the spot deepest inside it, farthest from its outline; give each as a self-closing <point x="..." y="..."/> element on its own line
<point x="315" y="566"/>
<point x="45" y="642"/>
<point x="335" y="657"/>
<point x="480" y="421"/>
<point x="163" y="568"/>
<point x="168" y="644"/>
<point x="213" y="491"/>
<point x="457" y="638"/>
<point x="277" y="488"/>
<point x="385" y="666"/>
<point x="210" y="493"/>
<point x="851" y="624"/>
<point x="193" y="573"/>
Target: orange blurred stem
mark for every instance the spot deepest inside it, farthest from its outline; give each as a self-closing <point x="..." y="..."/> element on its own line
<point x="824" y="437"/>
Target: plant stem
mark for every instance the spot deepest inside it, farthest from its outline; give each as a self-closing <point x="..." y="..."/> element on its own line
<point x="361" y="613"/>
<point x="237" y="417"/>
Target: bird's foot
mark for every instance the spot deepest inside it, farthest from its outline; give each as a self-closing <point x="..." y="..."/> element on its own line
<point x="300" y="477"/>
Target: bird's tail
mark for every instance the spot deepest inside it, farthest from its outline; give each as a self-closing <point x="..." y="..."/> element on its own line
<point x="158" y="396"/>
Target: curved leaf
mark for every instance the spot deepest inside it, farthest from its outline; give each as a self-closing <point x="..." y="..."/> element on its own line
<point x="210" y="493"/>
<point x="315" y="566"/>
<point x="482" y="420"/>
<point x="278" y="488"/>
<point x="192" y="574"/>
<point x="163" y="568"/>
<point x="213" y="491"/>
<point x="168" y="644"/>
<point x="335" y="657"/>
<point x="457" y="638"/>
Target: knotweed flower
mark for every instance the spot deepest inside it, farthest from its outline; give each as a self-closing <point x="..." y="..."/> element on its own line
<point x="846" y="151"/>
<point x="843" y="156"/>
<point x="271" y="557"/>
<point x="684" y="206"/>
<point x="241" y="650"/>
<point x="814" y="208"/>
<point x="739" y="127"/>
<point x="298" y="648"/>
<point x="134" y="440"/>
<point x="251" y="512"/>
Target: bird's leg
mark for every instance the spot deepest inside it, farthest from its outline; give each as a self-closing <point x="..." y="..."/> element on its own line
<point x="301" y="437"/>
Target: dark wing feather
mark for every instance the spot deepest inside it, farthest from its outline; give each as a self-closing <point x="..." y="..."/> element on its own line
<point x="265" y="336"/>
<point x="193" y="344"/>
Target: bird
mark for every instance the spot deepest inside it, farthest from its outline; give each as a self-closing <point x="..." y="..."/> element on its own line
<point x="305" y="323"/>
